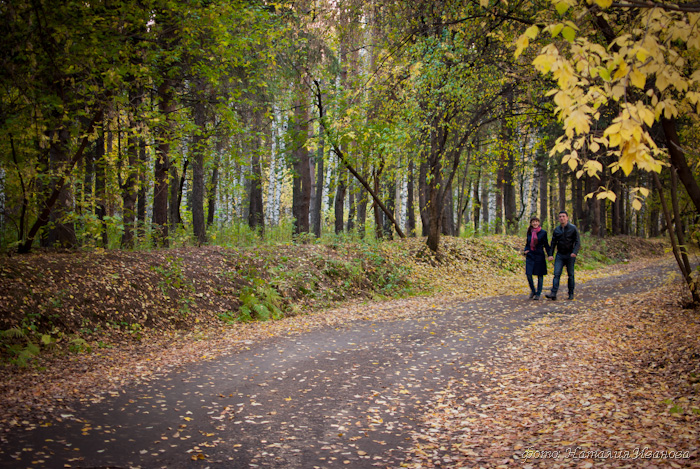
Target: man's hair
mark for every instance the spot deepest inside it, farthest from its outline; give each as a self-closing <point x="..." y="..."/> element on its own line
<point x="564" y="212"/>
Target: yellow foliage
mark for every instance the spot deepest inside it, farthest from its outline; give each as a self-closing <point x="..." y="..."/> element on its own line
<point x="638" y="79"/>
<point x="520" y="44"/>
<point x="532" y="32"/>
<point x="647" y="51"/>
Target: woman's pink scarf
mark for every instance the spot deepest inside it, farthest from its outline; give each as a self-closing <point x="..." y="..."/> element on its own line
<point x="533" y="237"/>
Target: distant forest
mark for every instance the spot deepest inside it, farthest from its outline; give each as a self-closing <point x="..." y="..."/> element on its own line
<point x="150" y="123"/>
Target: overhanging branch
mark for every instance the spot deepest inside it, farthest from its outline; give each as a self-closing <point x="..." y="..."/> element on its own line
<point x="352" y="170"/>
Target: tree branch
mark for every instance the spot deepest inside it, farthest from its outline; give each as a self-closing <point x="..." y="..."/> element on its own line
<point x="352" y="170"/>
<point x="687" y="8"/>
<point x="44" y="215"/>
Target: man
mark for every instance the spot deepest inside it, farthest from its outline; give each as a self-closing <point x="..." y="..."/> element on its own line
<point x="567" y="242"/>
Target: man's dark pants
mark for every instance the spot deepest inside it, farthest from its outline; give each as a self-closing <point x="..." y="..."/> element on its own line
<point x="559" y="262"/>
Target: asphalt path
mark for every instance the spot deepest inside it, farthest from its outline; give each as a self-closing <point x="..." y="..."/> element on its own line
<point x="348" y="396"/>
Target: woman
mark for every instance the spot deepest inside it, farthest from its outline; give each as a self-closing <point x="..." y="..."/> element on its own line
<point x="536" y="257"/>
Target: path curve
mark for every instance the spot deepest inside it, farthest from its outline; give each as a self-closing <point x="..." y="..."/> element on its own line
<point x="347" y="396"/>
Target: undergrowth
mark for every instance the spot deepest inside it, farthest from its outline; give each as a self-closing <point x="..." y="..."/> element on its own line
<point x="63" y="303"/>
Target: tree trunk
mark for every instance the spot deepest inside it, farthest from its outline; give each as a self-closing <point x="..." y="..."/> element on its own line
<point x="616" y="224"/>
<point x="317" y="211"/>
<point x="562" y="188"/>
<point x="300" y="156"/>
<point x="129" y="189"/>
<point x="544" y="184"/>
<point x="625" y="209"/>
<point x="199" y="148"/>
<point x="500" y="174"/>
<point x="142" y="193"/>
<point x="129" y="193"/>
<point x="378" y="216"/>
<point x="434" y="208"/>
<point x="509" y="204"/>
<point x="351" y="207"/>
<point x="683" y="264"/>
<point x="476" y="206"/>
<point x="594" y="208"/>
<point x="485" y="209"/>
<point x="61" y="232"/>
<point x="88" y="181"/>
<point x="588" y="219"/>
<point x="680" y="232"/>
<point x="177" y="190"/>
<point x="602" y="211"/>
<point x="678" y="161"/>
<point x="508" y="181"/>
<point x="463" y="196"/>
<point x="166" y="106"/>
<point x="390" y="190"/>
<point x="577" y="185"/>
<point x="277" y="150"/>
<point x="213" y="186"/>
<point x="339" y="201"/>
<point x="438" y="136"/>
<point x="448" y="218"/>
<point x="653" y="210"/>
<point x="410" y="210"/>
<point x="422" y="196"/>
<point x="101" y="184"/>
<point x="362" y="211"/>
<point x="256" y="213"/>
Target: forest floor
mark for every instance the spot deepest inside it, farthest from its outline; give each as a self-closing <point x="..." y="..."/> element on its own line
<point x="615" y="385"/>
<point x="108" y="320"/>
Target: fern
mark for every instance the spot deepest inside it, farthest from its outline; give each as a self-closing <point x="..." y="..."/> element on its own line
<point x="14" y="333"/>
<point x="260" y="303"/>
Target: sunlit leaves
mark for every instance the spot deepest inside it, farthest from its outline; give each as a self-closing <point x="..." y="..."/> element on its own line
<point x="638" y="194"/>
<point x="646" y="55"/>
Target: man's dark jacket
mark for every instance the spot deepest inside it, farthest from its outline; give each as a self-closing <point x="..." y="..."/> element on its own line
<point x="566" y="240"/>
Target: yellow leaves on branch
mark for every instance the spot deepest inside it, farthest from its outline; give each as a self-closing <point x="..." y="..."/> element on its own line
<point x="650" y="54"/>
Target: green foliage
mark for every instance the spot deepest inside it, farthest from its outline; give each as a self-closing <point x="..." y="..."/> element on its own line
<point x="79" y="345"/>
<point x="229" y="317"/>
<point x="174" y="284"/>
<point x="238" y="234"/>
<point x="504" y="255"/>
<point x="260" y="303"/>
<point x="23" y="345"/>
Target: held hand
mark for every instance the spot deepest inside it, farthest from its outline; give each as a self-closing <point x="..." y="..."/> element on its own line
<point x="573" y="255"/>
<point x="551" y="258"/>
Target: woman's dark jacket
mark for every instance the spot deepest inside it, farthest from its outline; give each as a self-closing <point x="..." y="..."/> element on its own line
<point x="536" y="261"/>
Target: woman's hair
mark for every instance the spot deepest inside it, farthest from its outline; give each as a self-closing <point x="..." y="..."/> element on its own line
<point x="529" y="228"/>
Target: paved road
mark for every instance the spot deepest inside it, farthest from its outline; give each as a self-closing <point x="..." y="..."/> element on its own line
<point x="345" y="397"/>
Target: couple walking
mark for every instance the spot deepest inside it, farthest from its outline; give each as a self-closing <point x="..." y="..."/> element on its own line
<point x="565" y="240"/>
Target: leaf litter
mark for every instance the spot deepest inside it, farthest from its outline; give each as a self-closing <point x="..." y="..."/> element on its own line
<point x="30" y="397"/>
<point x="617" y="385"/>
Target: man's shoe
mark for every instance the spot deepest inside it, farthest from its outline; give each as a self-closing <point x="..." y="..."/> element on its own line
<point x="571" y="296"/>
<point x="532" y="295"/>
<point x="551" y="296"/>
<point x="536" y="297"/>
